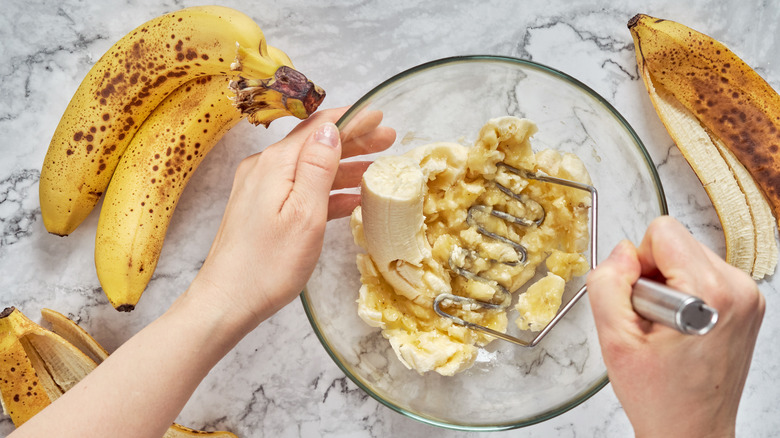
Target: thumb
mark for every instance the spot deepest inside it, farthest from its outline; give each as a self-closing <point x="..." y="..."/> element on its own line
<point x="318" y="162"/>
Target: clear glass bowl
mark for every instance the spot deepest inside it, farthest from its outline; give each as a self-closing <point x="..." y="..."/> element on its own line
<point x="509" y="386"/>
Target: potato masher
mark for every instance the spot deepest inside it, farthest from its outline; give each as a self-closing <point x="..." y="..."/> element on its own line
<point x="651" y="300"/>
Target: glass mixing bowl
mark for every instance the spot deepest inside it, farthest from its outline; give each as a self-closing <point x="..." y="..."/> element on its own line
<point x="509" y="386"/>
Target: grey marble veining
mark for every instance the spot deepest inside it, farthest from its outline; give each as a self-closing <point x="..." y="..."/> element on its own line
<point x="279" y="381"/>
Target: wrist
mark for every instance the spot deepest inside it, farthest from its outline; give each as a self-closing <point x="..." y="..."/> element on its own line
<point x="218" y="321"/>
<point x="697" y="434"/>
<point x="689" y="427"/>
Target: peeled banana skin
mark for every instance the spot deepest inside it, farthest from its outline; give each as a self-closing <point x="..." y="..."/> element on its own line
<point x="724" y="93"/>
<point x="695" y="81"/>
<point x="39" y="365"/>
<point x="21" y="391"/>
<point x="127" y="83"/>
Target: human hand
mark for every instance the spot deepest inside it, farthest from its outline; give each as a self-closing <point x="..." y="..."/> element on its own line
<point x="272" y="231"/>
<point x="672" y="384"/>
<point x="266" y="248"/>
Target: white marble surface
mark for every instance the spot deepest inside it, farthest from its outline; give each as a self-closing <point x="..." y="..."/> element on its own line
<point x="279" y="381"/>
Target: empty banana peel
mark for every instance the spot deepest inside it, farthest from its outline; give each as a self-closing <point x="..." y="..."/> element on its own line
<point x="73" y="333"/>
<point x="38" y="365"/>
<point x="723" y="117"/>
<point x="21" y="389"/>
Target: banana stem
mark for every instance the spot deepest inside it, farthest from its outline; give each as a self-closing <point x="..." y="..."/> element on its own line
<point x="299" y="96"/>
<point x="253" y="63"/>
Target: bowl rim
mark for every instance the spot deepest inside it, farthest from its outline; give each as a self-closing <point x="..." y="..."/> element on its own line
<point x="441" y="62"/>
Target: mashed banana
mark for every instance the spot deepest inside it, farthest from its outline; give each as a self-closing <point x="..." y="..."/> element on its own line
<point x="458" y="178"/>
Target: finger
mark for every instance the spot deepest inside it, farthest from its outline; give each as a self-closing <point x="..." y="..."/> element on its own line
<point x="349" y="174"/>
<point x="361" y="123"/>
<point x="738" y="291"/>
<point x="318" y="163"/>
<point x="341" y="205"/>
<point x="609" y="290"/>
<point x="284" y="153"/>
<point x="669" y="249"/>
<point x="303" y="130"/>
<point x="376" y="140"/>
<point x="295" y="139"/>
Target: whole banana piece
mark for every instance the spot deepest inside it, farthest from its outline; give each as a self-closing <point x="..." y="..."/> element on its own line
<point x="723" y="117"/>
<point x="127" y="83"/>
<point x="158" y="163"/>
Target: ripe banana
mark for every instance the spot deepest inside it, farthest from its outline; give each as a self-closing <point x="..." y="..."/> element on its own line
<point x="37" y="365"/>
<point x="155" y="168"/>
<point x="149" y="179"/>
<point x="722" y="116"/>
<point x="128" y="82"/>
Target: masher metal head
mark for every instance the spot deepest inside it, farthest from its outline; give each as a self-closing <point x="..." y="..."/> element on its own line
<point x="446" y="299"/>
<point x="650" y="299"/>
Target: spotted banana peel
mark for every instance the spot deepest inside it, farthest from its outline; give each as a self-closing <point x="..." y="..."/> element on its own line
<point x="725" y="119"/>
<point x="38" y="365"/>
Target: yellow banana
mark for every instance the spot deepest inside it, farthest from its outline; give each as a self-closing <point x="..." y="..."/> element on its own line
<point x="722" y="116"/>
<point x="159" y="162"/>
<point x="39" y="365"/>
<point x="147" y="183"/>
<point x="128" y="82"/>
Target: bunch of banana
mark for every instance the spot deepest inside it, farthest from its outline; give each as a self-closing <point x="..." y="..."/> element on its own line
<point x="145" y="117"/>
<point x="724" y="119"/>
<point x="130" y="80"/>
<point x="38" y="365"/>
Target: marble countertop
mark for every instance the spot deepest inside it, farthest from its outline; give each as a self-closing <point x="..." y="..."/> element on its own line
<point x="279" y="381"/>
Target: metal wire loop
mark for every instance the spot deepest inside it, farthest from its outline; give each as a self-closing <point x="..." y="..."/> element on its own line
<point x="471" y="303"/>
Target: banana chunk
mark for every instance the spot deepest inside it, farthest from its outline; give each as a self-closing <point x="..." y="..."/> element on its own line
<point x="414" y="224"/>
<point x="394" y="187"/>
<point x="539" y="304"/>
<point x="393" y="192"/>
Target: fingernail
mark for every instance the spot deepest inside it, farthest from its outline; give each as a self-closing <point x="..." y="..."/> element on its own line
<point x="327" y="134"/>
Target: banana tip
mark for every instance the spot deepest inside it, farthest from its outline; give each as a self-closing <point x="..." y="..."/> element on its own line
<point x="638" y="17"/>
<point x="7" y="311"/>
<point x="634" y="20"/>
<point x="125" y="308"/>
